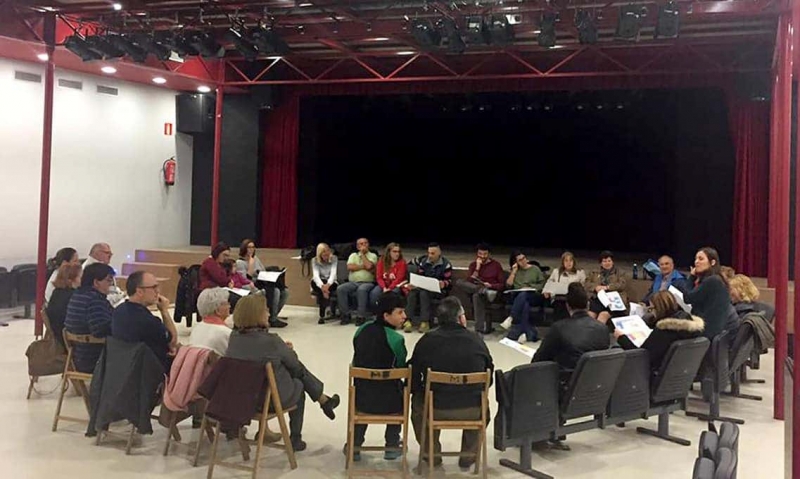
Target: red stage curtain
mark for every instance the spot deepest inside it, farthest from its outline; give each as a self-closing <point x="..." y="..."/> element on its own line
<point x="750" y="131"/>
<point x="279" y="204"/>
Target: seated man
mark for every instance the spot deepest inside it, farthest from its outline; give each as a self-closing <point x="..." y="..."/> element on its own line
<point x="432" y="265"/>
<point x="454" y="349"/>
<point x="608" y="279"/>
<point x="378" y="345"/>
<point x="523" y="275"/>
<point x="360" y="282"/>
<point x="133" y="322"/>
<point x="101" y="253"/>
<point x="485" y="282"/>
<point x="89" y="312"/>
<point x="569" y="338"/>
<point x="669" y="277"/>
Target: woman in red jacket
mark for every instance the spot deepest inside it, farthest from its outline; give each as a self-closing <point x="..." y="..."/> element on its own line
<point x="213" y="272"/>
<point x="391" y="274"/>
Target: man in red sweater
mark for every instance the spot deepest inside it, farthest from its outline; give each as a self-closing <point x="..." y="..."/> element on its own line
<point x="486" y="280"/>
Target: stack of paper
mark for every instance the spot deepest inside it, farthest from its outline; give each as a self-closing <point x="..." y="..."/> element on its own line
<point x="426" y="283"/>
<point x="526" y="350"/>
<point x="611" y="300"/>
<point x="555" y="288"/>
<point x="239" y="291"/>
<point x="518" y="290"/>
<point x="679" y="298"/>
<point x="270" y="276"/>
<point x="634" y="328"/>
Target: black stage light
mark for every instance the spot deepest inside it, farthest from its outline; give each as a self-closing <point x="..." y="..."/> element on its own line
<point x="130" y="46"/>
<point x="270" y="43"/>
<point x="475" y="32"/>
<point x="547" y="30"/>
<point x="153" y="46"/>
<point x="668" y="23"/>
<point x="205" y="44"/>
<point x="500" y="31"/>
<point x="243" y="44"/>
<point x="587" y="30"/>
<point x="178" y="43"/>
<point x="103" y="47"/>
<point x="77" y="45"/>
<point x="455" y="44"/>
<point x="629" y="22"/>
<point x="425" y="33"/>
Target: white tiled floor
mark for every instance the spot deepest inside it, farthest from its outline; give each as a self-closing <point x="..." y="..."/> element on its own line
<point x="28" y="449"/>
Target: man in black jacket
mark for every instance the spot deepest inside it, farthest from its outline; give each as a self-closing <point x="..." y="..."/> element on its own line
<point x="378" y="345"/>
<point x="451" y="348"/>
<point x="569" y="338"/>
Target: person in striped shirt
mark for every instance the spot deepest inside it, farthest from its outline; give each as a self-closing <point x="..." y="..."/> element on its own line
<point x="89" y="312"/>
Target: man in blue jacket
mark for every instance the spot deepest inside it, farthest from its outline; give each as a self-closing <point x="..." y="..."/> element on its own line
<point x="669" y="277"/>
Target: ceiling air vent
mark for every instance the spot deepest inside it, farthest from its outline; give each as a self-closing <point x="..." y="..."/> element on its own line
<point x="76" y="85"/>
<point x="25" y="76"/>
<point x="107" y="90"/>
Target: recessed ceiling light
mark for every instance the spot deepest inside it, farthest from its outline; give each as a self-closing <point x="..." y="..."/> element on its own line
<point x="306" y="4"/>
<point x="380" y="39"/>
<point x="407" y="52"/>
<point x="159" y="80"/>
<point x="109" y="70"/>
<point x="43" y="57"/>
<point x="117" y="6"/>
<point x="203" y="89"/>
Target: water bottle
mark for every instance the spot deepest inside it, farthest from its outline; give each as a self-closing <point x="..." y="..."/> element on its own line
<point x="635" y="271"/>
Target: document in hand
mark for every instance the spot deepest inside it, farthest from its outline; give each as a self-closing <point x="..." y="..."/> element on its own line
<point x="518" y="290"/>
<point x="611" y="300"/>
<point x="555" y="288"/>
<point x="270" y="276"/>
<point x="426" y="283"/>
<point x="526" y="350"/>
<point x="679" y="298"/>
<point x="638" y="310"/>
<point x="634" y="328"/>
<point x="239" y="291"/>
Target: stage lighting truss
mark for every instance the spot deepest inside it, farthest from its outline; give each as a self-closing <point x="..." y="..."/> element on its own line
<point x="668" y="22"/>
<point x="587" y="29"/>
<point x="547" y="30"/>
<point x="630" y="22"/>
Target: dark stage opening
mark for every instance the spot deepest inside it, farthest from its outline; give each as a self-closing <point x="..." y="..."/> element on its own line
<point x="646" y="171"/>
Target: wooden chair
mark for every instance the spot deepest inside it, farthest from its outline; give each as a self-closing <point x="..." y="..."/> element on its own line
<point x="71" y="374"/>
<point x="48" y="335"/>
<point x="430" y="424"/>
<point x="271" y="398"/>
<point x="355" y="417"/>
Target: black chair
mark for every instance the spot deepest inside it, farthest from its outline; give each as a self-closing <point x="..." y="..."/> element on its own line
<point x="716" y="376"/>
<point x="24" y="280"/>
<point x="630" y="398"/>
<point x="527" y="398"/>
<point x="589" y="389"/>
<point x="704" y="468"/>
<point x="6" y="288"/>
<point x="729" y="436"/>
<point x="740" y="353"/>
<point x="708" y="445"/>
<point x="727" y="463"/>
<point x="670" y="385"/>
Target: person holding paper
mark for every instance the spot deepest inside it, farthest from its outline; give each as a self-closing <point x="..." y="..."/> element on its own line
<point x="555" y="288"/>
<point x="523" y="275"/>
<point x="671" y="324"/>
<point x="361" y="280"/>
<point x="432" y="265"/>
<point x="323" y="281"/>
<point x="392" y="273"/>
<point x="669" y="277"/>
<point x="708" y="294"/>
<point x="608" y="278"/>
<point x="248" y="263"/>
<point x="249" y="266"/>
<point x="214" y="274"/>
<point x="485" y="282"/>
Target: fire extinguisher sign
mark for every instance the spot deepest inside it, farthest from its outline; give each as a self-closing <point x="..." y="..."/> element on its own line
<point x="167" y="129"/>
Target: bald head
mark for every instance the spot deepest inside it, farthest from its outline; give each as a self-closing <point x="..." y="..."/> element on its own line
<point x="101" y="252"/>
<point x="362" y="245"/>
<point x="666" y="265"/>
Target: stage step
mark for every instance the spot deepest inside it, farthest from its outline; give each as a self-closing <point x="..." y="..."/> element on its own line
<point x="161" y="270"/>
<point x="180" y="258"/>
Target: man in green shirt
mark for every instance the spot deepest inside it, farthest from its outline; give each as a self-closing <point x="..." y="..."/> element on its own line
<point x="361" y="280"/>
<point x="527" y="276"/>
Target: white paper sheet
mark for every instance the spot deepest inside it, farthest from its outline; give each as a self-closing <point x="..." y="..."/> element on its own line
<point x="679" y="298"/>
<point x="555" y="288"/>
<point x="519" y="290"/>
<point x="270" y="276"/>
<point x="426" y="283"/>
<point x="638" y="310"/>
<point x="239" y="291"/>
<point x="611" y="300"/>
<point x="634" y="328"/>
<point x="526" y="350"/>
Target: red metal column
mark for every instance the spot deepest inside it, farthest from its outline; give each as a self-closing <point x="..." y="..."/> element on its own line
<point x="217" y="154"/>
<point x="796" y="378"/>
<point x="44" y="188"/>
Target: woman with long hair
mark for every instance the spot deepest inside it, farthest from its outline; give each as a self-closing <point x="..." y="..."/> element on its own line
<point x="68" y="279"/>
<point x="745" y="294"/>
<point x="391" y="275"/>
<point x="323" y="280"/>
<point x="248" y="265"/>
<point x="63" y="256"/>
<point x="566" y="273"/>
<point x="707" y="292"/>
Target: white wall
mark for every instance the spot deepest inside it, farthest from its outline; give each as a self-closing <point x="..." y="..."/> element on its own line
<point x="106" y="182"/>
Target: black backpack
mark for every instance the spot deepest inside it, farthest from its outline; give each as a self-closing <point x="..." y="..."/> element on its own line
<point x="307" y="255"/>
<point x="186" y="295"/>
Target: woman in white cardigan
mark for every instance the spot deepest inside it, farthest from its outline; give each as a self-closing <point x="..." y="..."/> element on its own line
<point x="323" y="282"/>
<point x="561" y="277"/>
<point x="212" y="333"/>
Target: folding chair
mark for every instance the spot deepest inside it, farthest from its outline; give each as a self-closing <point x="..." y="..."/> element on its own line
<point x="48" y="335"/>
<point x="272" y="399"/>
<point x="430" y="424"/>
<point x="77" y="378"/>
<point x="356" y="417"/>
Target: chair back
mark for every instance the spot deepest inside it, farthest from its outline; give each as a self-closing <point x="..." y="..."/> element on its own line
<point x="708" y="445"/>
<point x="25" y="283"/>
<point x="704" y="468"/>
<point x="726" y="464"/>
<point x="591" y="383"/>
<point x="342" y="275"/>
<point x="729" y="436"/>
<point x="678" y="369"/>
<point x="70" y="340"/>
<point x="742" y="346"/>
<point x="468" y="380"/>
<point x="527" y="397"/>
<point x="6" y="288"/>
<point x="631" y="394"/>
<point x="719" y="360"/>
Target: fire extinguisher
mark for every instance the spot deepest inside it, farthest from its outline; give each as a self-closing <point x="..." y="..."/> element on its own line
<point x="168" y="168"/>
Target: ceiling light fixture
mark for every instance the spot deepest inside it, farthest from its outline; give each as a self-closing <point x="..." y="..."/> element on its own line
<point x="109" y="69"/>
<point x="203" y="89"/>
<point x="43" y="57"/>
<point x="159" y="80"/>
<point x="406" y="52"/>
<point x="117" y="6"/>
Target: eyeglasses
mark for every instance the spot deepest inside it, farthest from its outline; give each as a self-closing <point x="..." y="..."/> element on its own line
<point x="154" y="287"/>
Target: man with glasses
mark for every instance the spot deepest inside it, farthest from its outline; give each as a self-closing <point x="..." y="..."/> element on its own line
<point x="133" y="321"/>
<point x="101" y="253"/>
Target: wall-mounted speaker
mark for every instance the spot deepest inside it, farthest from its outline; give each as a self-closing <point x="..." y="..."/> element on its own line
<point x="194" y="113"/>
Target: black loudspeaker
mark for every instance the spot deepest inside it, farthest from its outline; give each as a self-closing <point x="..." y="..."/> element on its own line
<point x="194" y="113"/>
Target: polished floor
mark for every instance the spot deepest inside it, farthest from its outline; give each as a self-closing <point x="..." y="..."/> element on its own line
<point x="28" y="448"/>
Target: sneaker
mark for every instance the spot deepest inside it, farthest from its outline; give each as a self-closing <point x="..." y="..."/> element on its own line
<point x="321" y="320"/>
<point x="392" y="455"/>
<point x="424" y="327"/>
<point x="408" y="327"/>
<point x="522" y="338"/>
<point x="298" y="445"/>
<point x="507" y="323"/>
<point x="277" y="323"/>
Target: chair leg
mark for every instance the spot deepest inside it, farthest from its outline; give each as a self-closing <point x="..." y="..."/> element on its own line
<point x="350" y="448"/>
<point x="243" y="446"/>
<point x="663" y="431"/>
<point x="213" y="459"/>
<point x="431" y="448"/>
<point x="203" y="425"/>
<point x="405" y="447"/>
<point x="64" y="386"/>
<point x="713" y="412"/>
<point x="171" y="432"/>
<point x="130" y="440"/>
<point x="30" y="386"/>
<point x="524" y="466"/>
<point x="287" y="440"/>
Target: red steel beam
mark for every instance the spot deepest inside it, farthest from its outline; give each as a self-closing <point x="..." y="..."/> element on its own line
<point x="217" y="156"/>
<point x="44" y="188"/>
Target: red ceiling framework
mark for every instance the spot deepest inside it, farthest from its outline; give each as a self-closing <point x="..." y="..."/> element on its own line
<point x="367" y="41"/>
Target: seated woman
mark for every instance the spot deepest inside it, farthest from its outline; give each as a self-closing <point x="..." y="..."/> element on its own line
<point x="63" y="256"/>
<point x="68" y="279"/>
<point x="568" y="272"/>
<point x="323" y="281"/>
<point x="212" y="333"/>
<point x="671" y="324"/>
<point x="608" y="279"/>
<point x="277" y="294"/>
<point x="392" y="273"/>
<point x="523" y="275"/>
<point x="252" y="341"/>
<point x="707" y="292"/>
<point x="744" y="295"/>
<point x="213" y="273"/>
